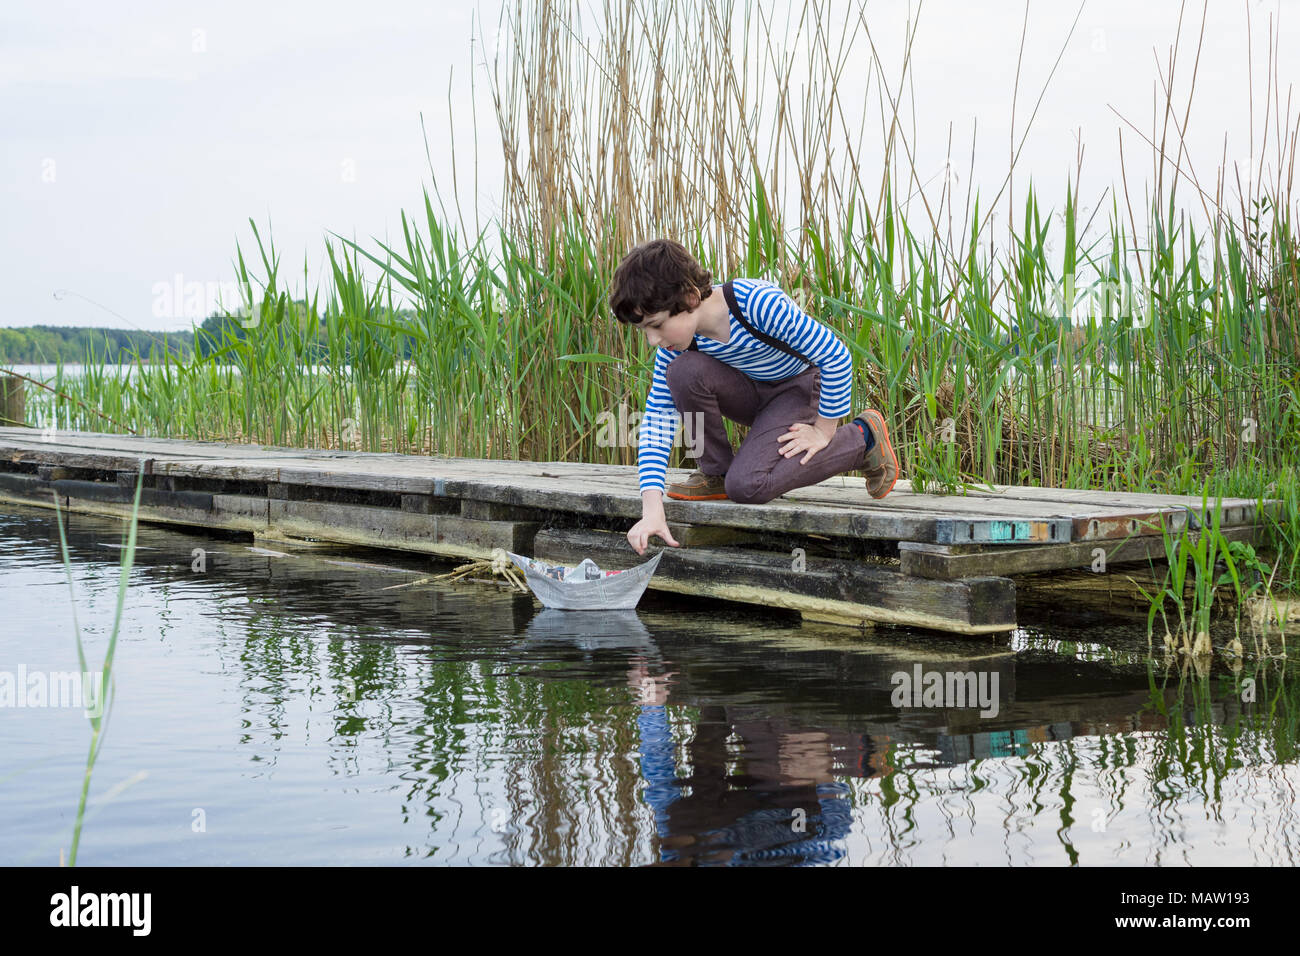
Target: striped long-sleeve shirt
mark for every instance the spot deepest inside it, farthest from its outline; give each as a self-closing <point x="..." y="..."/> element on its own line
<point x="769" y="310"/>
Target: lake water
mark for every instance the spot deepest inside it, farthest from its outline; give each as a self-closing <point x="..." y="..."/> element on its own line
<point x="277" y="710"/>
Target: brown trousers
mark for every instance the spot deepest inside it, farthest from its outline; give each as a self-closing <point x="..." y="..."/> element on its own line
<point x="704" y="390"/>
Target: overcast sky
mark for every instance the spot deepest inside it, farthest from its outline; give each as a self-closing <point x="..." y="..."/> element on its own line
<point x="140" y="137"/>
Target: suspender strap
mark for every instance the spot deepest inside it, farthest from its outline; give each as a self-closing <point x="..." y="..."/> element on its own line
<point x="730" y="295"/>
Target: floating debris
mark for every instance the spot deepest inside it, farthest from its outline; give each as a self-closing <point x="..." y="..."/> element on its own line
<point x="269" y="553"/>
<point x="498" y="566"/>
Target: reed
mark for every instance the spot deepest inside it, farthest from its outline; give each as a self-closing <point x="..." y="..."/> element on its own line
<point x="107" y="688"/>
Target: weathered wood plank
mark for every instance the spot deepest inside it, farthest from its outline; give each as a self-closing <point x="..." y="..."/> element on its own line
<point x="19" y="487"/>
<point x="1236" y="510"/>
<point x="710" y="536"/>
<point x="242" y="512"/>
<point x="838" y="590"/>
<point x="112" y="491"/>
<point x="940" y="562"/>
<point x="157" y="513"/>
<point x="492" y="511"/>
<point x="145" y="446"/>
<point x="449" y="535"/>
<point x="998" y="530"/>
<point x="1093" y="518"/>
<point x="70" y="457"/>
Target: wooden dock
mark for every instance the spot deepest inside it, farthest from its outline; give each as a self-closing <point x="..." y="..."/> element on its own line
<point x="828" y="551"/>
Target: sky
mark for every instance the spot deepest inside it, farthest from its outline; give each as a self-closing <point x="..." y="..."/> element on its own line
<point x="141" y="137"/>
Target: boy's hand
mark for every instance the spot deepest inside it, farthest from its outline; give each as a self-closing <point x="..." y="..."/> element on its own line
<point x="804" y="437"/>
<point x="641" y="532"/>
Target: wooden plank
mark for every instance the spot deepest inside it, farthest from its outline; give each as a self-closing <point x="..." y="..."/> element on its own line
<point x="72" y="457"/>
<point x="1003" y="531"/>
<point x="840" y="590"/>
<point x="940" y="562"/>
<point x="31" y="489"/>
<point x="491" y="511"/>
<point x="15" y="486"/>
<point x="1236" y="510"/>
<point x="300" y="471"/>
<point x="1135" y="499"/>
<point x="1091" y="520"/>
<point x="113" y="445"/>
<point x="241" y="512"/>
<point x="449" y="535"/>
<point x="112" y="491"/>
<point x="143" y="446"/>
<point x="156" y="513"/>
<point x="227" y="469"/>
<point x="710" y="536"/>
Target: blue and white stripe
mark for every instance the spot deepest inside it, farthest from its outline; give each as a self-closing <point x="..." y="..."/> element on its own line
<point x="772" y="311"/>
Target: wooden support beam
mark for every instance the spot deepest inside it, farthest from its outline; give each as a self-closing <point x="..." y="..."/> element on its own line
<point x="20" y="486"/>
<point x="241" y="512"/>
<point x="112" y="491"/>
<point x="494" y="511"/>
<point x="709" y="536"/>
<point x="449" y="535"/>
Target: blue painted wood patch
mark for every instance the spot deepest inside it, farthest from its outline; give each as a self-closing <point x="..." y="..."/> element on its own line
<point x="996" y="531"/>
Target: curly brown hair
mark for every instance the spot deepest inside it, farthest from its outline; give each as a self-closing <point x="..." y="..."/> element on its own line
<point x="656" y="276"/>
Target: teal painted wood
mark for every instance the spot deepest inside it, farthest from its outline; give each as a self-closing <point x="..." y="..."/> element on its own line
<point x="1044" y="531"/>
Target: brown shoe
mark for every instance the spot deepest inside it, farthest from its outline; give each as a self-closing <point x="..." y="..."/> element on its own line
<point x="700" y="487"/>
<point x="881" y="466"/>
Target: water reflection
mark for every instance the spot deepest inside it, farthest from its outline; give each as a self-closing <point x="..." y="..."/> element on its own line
<point x="784" y="806"/>
<point x="340" y="717"/>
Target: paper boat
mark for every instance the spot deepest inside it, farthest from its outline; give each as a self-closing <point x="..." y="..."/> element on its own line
<point x="586" y="587"/>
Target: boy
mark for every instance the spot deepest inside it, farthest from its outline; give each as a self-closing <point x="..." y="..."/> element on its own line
<point x="746" y="351"/>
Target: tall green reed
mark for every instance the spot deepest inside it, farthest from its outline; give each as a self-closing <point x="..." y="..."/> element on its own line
<point x="107" y="687"/>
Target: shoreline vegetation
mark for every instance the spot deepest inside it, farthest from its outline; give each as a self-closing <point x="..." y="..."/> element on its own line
<point x="1146" y="341"/>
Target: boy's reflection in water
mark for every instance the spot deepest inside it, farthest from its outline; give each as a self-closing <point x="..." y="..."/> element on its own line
<point x="758" y="792"/>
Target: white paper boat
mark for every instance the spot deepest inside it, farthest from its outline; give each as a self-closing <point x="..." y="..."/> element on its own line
<point x="586" y="587"/>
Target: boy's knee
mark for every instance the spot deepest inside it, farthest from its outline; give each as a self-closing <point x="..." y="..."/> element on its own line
<point x="746" y="490"/>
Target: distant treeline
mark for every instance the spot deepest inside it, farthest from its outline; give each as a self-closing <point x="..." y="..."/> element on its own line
<point x="48" y="344"/>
